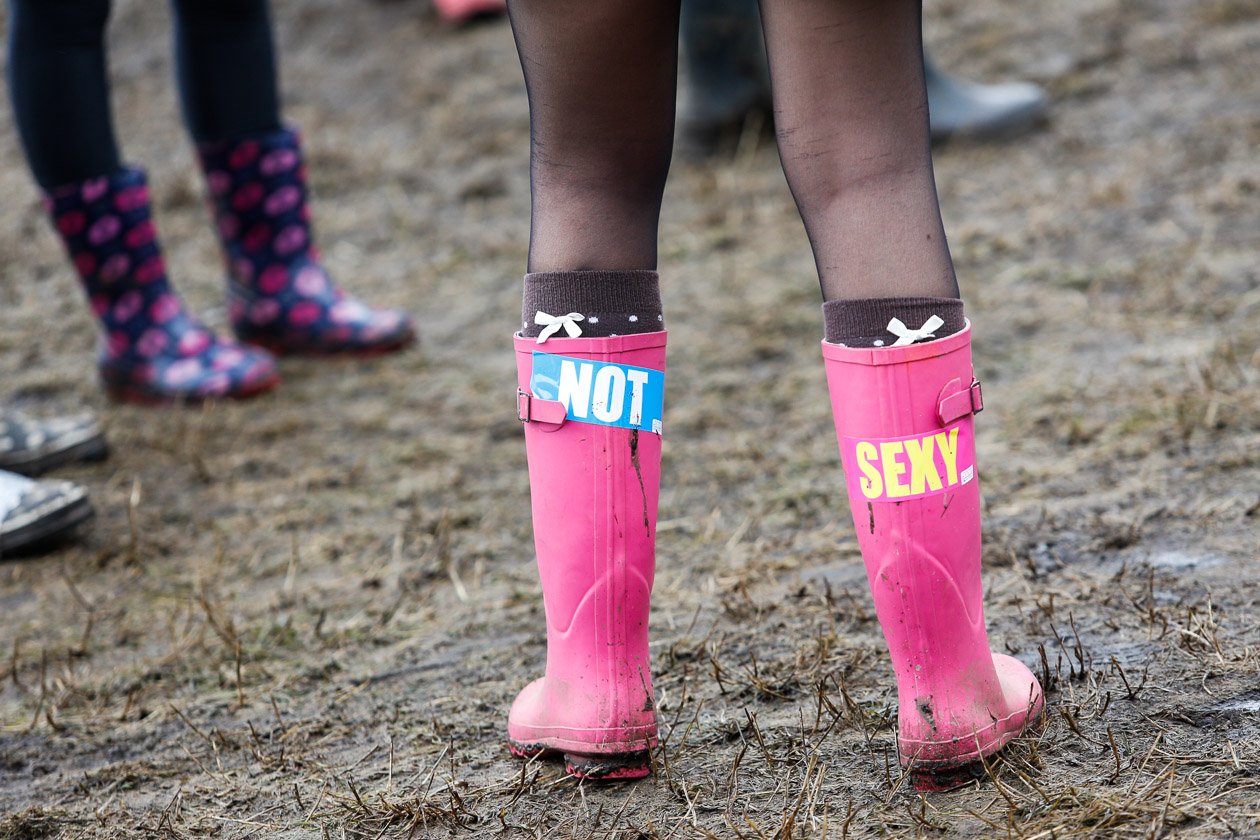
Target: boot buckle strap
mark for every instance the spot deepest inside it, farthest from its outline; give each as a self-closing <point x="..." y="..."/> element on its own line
<point x="531" y="409"/>
<point x="958" y="401"/>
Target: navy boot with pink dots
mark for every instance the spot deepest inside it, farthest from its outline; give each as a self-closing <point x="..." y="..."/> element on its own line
<point x="152" y="349"/>
<point x="279" y="295"/>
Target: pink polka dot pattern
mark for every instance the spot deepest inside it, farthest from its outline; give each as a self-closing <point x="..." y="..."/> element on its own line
<point x="279" y="295"/>
<point x="152" y="350"/>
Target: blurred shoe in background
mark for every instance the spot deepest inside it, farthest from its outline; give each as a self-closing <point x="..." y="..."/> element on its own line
<point x="728" y="79"/>
<point x="36" y="514"/>
<point x="971" y="109"/>
<point x="33" y="446"/>
<point x="728" y="83"/>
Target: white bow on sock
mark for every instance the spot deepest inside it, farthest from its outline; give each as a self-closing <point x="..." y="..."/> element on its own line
<point x="551" y="324"/>
<point x="905" y="335"/>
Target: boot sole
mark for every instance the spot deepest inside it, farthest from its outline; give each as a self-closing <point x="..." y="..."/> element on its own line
<point x="132" y="395"/>
<point x="947" y="774"/>
<point x="605" y="767"/>
<point x="279" y="348"/>
<point x="93" y="449"/>
<point x="47" y="531"/>
<point x="935" y="781"/>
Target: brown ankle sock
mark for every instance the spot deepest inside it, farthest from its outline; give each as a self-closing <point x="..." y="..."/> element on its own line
<point x="867" y="323"/>
<point x="610" y="302"/>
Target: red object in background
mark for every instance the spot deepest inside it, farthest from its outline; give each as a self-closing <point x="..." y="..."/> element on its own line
<point x="462" y="11"/>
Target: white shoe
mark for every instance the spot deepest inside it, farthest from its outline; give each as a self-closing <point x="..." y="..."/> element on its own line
<point x="31" y="446"/>
<point x="33" y="513"/>
<point x="961" y="108"/>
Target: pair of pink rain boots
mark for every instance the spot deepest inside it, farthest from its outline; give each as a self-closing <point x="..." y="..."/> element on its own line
<point x="904" y="419"/>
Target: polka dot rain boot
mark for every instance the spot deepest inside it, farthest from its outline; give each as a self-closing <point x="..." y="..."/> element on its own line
<point x="279" y="295"/>
<point x="152" y="349"/>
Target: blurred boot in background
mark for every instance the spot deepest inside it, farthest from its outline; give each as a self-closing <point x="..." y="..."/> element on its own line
<point x="961" y="108"/>
<point x="280" y="296"/>
<point x="728" y="83"/>
<point x="153" y="349"/>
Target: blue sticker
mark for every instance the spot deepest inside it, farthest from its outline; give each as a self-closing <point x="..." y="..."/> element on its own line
<point x="602" y="393"/>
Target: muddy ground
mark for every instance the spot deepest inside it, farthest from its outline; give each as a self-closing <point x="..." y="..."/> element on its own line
<point x="306" y="616"/>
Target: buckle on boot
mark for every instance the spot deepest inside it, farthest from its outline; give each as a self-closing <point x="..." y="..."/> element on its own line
<point x="958" y="401"/>
<point x="531" y="409"/>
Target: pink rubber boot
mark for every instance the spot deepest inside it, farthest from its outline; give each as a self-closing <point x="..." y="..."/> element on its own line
<point x="904" y="421"/>
<point x="594" y="490"/>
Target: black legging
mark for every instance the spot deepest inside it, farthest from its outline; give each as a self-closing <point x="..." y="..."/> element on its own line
<point x="60" y="88"/>
<point x="850" y="114"/>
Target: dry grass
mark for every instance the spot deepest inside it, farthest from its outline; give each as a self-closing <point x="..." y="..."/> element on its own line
<point x="306" y="616"/>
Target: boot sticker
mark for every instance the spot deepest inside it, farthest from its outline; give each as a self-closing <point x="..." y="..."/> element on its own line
<point x="900" y="469"/>
<point x="601" y="393"/>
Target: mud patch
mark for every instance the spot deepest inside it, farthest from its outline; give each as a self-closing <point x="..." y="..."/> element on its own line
<point x="1183" y="560"/>
<point x="638" y="471"/>
<point x="316" y="609"/>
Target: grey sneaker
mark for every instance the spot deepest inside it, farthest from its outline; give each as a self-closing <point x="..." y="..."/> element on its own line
<point x="32" y="446"/>
<point x="728" y="83"/>
<point x="960" y="108"/>
<point x="36" y="513"/>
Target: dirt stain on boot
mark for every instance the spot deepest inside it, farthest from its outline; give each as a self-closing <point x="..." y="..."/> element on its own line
<point x="924" y="705"/>
<point x="649" y="702"/>
<point x="638" y="471"/>
<point x="870" y="509"/>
